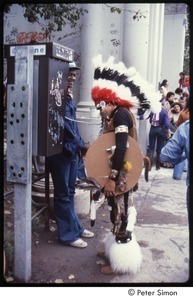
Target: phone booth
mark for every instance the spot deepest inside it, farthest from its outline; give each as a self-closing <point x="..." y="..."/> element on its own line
<point x="48" y="77"/>
<point x="37" y="79"/>
<point x="50" y="73"/>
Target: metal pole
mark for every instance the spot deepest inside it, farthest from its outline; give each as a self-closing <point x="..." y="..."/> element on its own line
<point x="19" y="157"/>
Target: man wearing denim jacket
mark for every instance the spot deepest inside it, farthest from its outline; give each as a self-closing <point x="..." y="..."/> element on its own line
<point x="63" y="168"/>
<point x="176" y="150"/>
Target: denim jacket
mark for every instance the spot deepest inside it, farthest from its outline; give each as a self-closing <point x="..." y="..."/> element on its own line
<point x="177" y="148"/>
<point x="73" y="143"/>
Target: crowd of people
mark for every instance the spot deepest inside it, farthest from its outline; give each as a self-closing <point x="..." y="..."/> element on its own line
<point x="174" y="111"/>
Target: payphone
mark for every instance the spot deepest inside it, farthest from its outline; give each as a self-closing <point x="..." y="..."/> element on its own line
<point x="37" y="77"/>
<point x="50" y="74"/>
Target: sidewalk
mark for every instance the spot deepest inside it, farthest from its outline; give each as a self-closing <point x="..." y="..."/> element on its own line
<point x="161" y="231"/>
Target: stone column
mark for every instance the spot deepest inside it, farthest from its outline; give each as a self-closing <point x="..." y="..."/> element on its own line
<point x="91" y="45"/>
<point x="113" y="24"/>
<point x="142" y="38"/>
<point x="135" y="36"/>
<point x="154" y="61"/>
<point x="135" y="51"/>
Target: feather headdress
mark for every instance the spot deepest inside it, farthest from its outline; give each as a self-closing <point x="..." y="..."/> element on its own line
<point x="113" y="82"/>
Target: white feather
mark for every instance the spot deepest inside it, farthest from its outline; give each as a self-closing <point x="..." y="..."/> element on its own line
<point x="132" y="214"/>
<point x="135" y="101"/>
<point x="155" y="106"/>
<point x="130" y="72"/>
<point x="92" y="210"/>
<point x="120" y="67"/>
<point x="110" y="63"/>
<point x="97" y="61"/>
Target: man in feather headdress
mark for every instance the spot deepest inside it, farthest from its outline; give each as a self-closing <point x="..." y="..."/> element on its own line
<point x="116" y="90"/>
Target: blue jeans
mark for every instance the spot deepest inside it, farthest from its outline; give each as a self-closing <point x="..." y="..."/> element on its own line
<point x="179" y="169"/>
<point x="81" y="169"/>
<point x="64" y="174"/>
<point x="156" y="134"/>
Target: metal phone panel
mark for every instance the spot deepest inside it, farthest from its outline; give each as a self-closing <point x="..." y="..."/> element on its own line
<point x="52" y="101"/>
<point x="17" y="133"/>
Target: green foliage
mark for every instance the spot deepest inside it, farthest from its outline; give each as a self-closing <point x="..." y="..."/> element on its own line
<point x="138" y="15"/>
<point x="57" y="15"/>
<point x="115" y="9"/>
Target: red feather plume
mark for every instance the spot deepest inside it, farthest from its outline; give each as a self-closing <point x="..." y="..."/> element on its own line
<point x="108" y="95"/>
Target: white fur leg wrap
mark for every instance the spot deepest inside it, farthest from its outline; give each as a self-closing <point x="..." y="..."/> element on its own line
<point x="124" y="258"/>
<point x="132" y="215"/>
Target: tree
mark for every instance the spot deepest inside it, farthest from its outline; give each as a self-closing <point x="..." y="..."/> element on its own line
<point x="57" y="15"/>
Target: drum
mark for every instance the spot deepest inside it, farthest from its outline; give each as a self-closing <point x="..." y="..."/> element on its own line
<point x="98" y="156"/>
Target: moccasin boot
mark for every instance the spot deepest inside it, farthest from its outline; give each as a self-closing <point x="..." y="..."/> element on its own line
<point x="101" y="253"/>
<point x="107" y="270"/>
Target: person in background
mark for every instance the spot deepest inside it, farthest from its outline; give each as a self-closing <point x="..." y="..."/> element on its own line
<point x="182" y="166"/>
<point x="176" y="150"/>
<point x="173" y="115"/>
<point x="183" y="99"/>
<point x="178" y="93"/>
<point x="164" y="88"/>
<point x="184" y="82"/>
<point x="184" y="114"/>
<point x="158" y="134"/>
<point x="168" y="100"/>
<point x="64" y="170"/>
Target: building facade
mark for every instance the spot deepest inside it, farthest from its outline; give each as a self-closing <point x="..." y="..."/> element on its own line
<point x="148" y="36"/>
